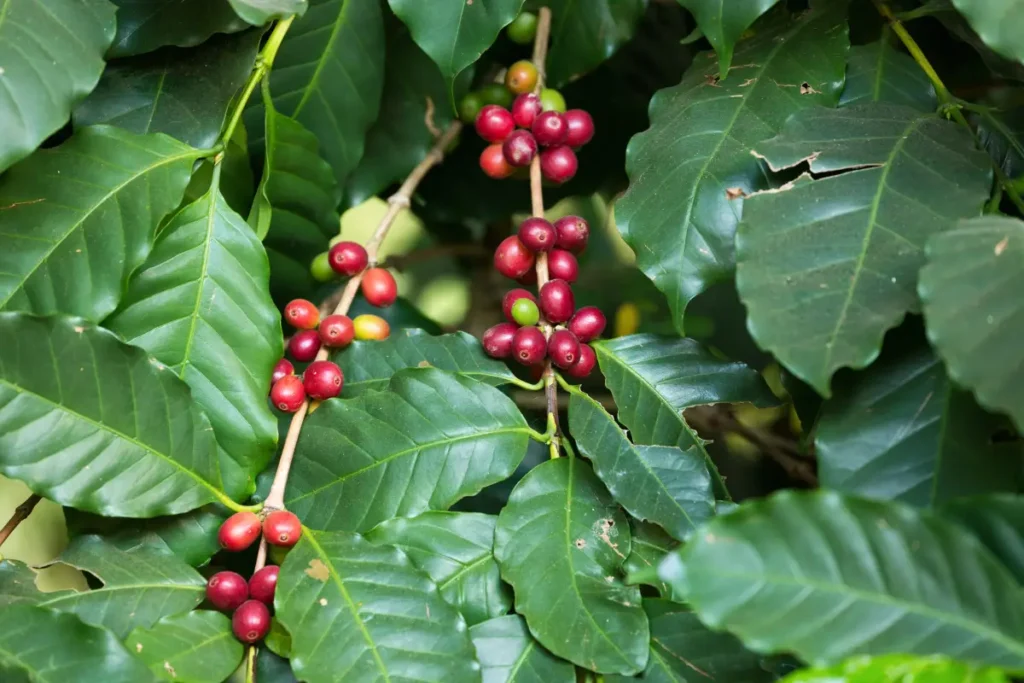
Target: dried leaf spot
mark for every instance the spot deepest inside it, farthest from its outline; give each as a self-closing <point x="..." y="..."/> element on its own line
<point x="170" y="670"/>
<point x="734" y="193"/>
<point x="323" y="602"/>
<point x="317" y="570"/>
<point x="749" y="81"/>
<point x="806" y="89"/>
<point x="138" y="647"/>
<point x="423" y="364"/>
<point x="580" y="544"/>
<point x="1001" y="247"/>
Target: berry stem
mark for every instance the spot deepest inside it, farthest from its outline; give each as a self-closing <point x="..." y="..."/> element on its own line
<point x="21" y="513"/>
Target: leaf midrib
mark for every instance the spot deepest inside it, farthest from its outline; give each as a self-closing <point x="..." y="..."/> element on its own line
<point x="325" y="55"/>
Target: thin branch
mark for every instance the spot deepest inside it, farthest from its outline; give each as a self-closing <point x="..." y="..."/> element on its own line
<point x="21" y="513"/>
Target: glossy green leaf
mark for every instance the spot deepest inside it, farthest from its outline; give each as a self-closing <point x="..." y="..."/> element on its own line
<point x="201" y="305"/>
<point x="879" y="73"/>
<point x="273" y="669"/>
<point x="826" y="267"/>
<point x="561" y="542"/>
<point x="654" y="379"/>
<point x="455" y="549"/>
<point x="900" y="431"/>
<point x="723" y="22"/>
<point x="52" y="56"/>
<point x="661" y="484"/>
<point x="970" y="288"/>
<point x="197" y="647"/>
<point x="431" y="439"/>
<point x="17" y="584"/>
<point x="30" y="636"/>
<point x="584" y="34"/>
<point x="899" y="669"/>
<point x="844" y="575"/>
<point x="184" y="93"/>
<point x="369" y="366"/>
<point x="145" y="25"/>
<point x="382" y="618"/>
<point x="455" y="32"/>
<point x="259" y="12"/>
<point x="998" y="522"/>
<point x="128" y="441"/>
<point x="688" y="171"/>
<point x="508" y="654"/>
<point x="78" y="219"/>
<point x="192" y="536"/>
<point x="649" y="546"/>
<point x="999" y="24"/>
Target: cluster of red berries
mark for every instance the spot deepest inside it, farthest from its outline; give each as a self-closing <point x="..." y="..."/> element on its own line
<point x="250" y="601"/>
<point x="521" y="337"/>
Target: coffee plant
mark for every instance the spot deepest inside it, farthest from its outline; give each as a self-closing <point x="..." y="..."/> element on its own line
<point x="729" y="383"/>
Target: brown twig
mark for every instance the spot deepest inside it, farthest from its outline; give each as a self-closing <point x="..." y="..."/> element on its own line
<point x="21" y="513"/>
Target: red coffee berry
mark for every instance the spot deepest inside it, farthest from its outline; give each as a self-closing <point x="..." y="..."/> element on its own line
<point x="288" y="394"/>
<point x="304" y="345"/>
<point x="302" y="314"/>
<point x="512" y="258"/>
<point x="348" y="258"/>
<point x="580" y="126"/>
<point x="573" y="233"/>
<point x="263" y="583"/>
<point x="322" y="380"/>
<point x="519" y="148"/>
<point x="587" y="323"/>
<point x="556" y="301"/>
<point x="251" y="621"/>
<point x="563" y="266"/>
<point x="585" y="364"/>
<point x="282" y="528"/>
<point x="337" y="331"/>
<point x="537" y="234"/>
<point x="494" y="163"/>
<point x="529" y="345"/>
<point x="525" y="109"/>
<point x="558" y="164"/>
<point x="379" y="287"/>
<point x="227" y="590"/>
<point x="498" y="340"/>
<point x="282" y="369"/>
<point x="550" y="128"/>
<point x="239" y="531"/>
<point x="510" y="298"/>
<point x="494" y="123"/>
<point x="563" y="348"/>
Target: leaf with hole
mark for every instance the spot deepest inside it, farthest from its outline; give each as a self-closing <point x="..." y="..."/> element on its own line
<point x="997" y="521"/>
<point x="723" y="23"/>
<point x="198" y="647"/>
<point x="17" y="583"/>
<point x="877" y="72"/>
<point x="898" y="669"/>
<point x="508" y="654"/>
<point x="584" y="34"/>
<point x="145" y="25"/>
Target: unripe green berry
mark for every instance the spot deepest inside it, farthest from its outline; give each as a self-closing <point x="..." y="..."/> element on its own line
<point x="321" y="269"/>
<point x="525" y="312"/>
<point x="523" y="28"/>
<point x="470" y="106"/>
<point x="496" y="93"/>
<point x="552" y="100"/>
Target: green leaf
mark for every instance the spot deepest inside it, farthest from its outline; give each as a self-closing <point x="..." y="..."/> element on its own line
<point x="654" y="379"/>
<point x="126" y="442"/>
<point x="31" y="638"/>
<point x="999" y="24"/>
<point x="197" y="647"/>
<point x="661" y="484"/>
<point x="1000" y="127"/>
<point x="273" y="668"/>
<point x="700" y="139"/>
<point x="649" y="546"/>
<point x="328" y="75"/>
<point x="844" y="575"/>
<point x="17" y="584"/>
<point x="723" y="22"/>
<point x="201" y="305"/>
<point x="78" y="219"/>
<point x="430" y="440"/>
<point x="387" y="620"/>
<point x="560" y="542"/>
<point x="901" y="431"/>
<point x="879" y="73"/>
<point x="52" y="56"/>
<point x="259" y="12"/>
<point x="368" y="366"/>
<point x="508" y="654"/>
<point x="998" y="522"/>
<point x="455" y="550"/>
<point x="683" y="650"/>
<point x="826" y="267"/>
<point x="898" y="669"/>
<point x="970" y="289"/>
<point x="184" y="93"/>
<point x="454" y="32"/>
<point x="145" y="25"/>
<point x="584" y="34"/>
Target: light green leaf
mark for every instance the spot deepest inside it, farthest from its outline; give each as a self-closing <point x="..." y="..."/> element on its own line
<point x="898" y="669"/>
<point x="826" y="267"/>
<point x="699" y="144"/>
<point x="79" y="218"/>
<point x="998" y="522"/>
<point x="561" y="542"/>
<point x="368" y="366"/>
<point x="385" y="619"/>
<point x="661" y="484"/>
<point x="879" y="73"/>
<point x="430" y="440"/>
<point x="508" y="654"/>
<point x="31" y="638"/>
<point x="723" y="22"/>
<point x="259" y="12"/>
<point x="145" y="25"/>
<point x="52" y="56"/>
<point x="999" y="24"/>
<point x="970" y="288"/>
<point x="128" y="441"/>
<point x="455" y="549"/>
<point x="584" y="34"/>
<point x="197" y="647"/>
<point x="649" y="546"/>
<point x="843" y="574"/>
